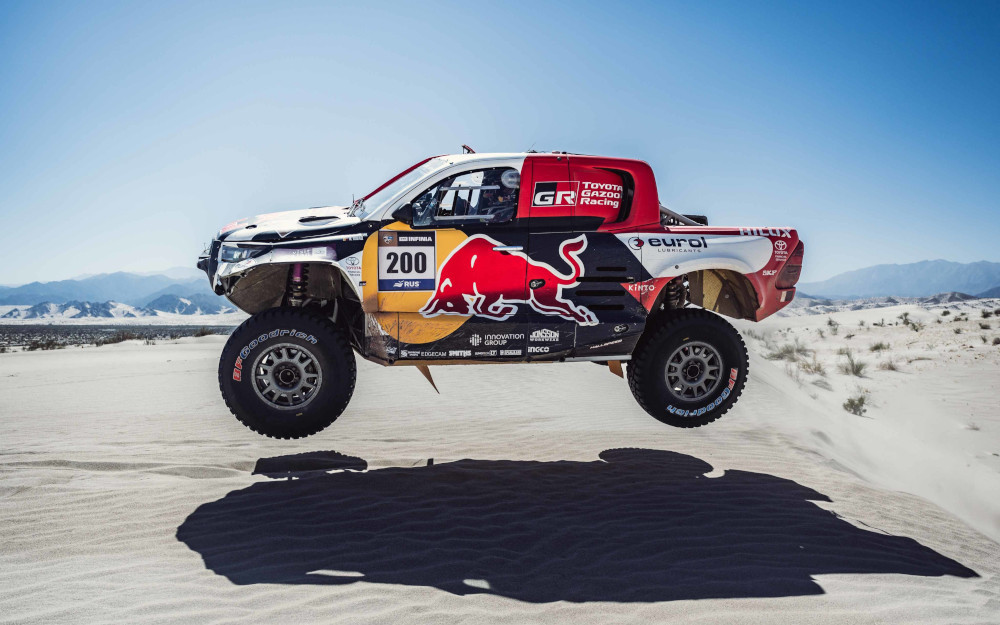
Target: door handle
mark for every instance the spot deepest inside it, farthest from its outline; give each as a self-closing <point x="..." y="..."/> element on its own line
<point x="508" y="248"/>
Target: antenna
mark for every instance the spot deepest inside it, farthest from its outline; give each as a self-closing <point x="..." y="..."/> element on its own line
<point x="531" y="149"/>
<point x="467" y="150"/>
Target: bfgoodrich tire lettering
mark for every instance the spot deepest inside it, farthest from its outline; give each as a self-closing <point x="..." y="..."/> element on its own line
<point x="305" y="353"/>
<point x="689" y="369"/>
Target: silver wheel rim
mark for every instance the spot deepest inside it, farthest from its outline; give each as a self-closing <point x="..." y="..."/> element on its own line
<point x="693" y="371"/>
<point x="287" y="376"/>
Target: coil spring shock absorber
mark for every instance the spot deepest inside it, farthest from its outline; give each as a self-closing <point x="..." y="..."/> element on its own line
<point x="298" y="283"/>
<point x="676" y="293"/>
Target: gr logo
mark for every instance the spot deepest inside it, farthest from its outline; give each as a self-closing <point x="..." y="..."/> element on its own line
<point x="555" y="194"/>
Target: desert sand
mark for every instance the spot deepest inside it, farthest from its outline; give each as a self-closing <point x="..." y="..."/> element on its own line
<point x="527" y="493"/>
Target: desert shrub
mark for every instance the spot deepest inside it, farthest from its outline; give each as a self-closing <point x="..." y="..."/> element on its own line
<point x="43" y="345"/>
<point x="793" y="372"/>
<point x="3" y="349"/>
<point x="945" y="313"/>
<point x="203" y="331"/>
<point x="819" y="331"/>
<point x="916" y="327"/>
<point x="852" y="366"/>
<point x="755" y="335"/>
<point x="861" y="323"/>
<point x="958" y="330"/>
<point x="118" y="337"/>
<point x="996" y="340"/>
<point x="916" y="359"/>
<point x="905" y="318"/>
<point x="938" y="320"/>
<point x="789" y="351"/>
<point x="983" y="336"/>
<point x="880" y="324"/>
<point x="857" y="405"/>
<point x="983" y="325"/>
<point x="888" y="365"/>
<point x="986" y="314"/>
<point x="879" y="347"/>
<point x="849" y="336"/>
<point x="813" y="366"/>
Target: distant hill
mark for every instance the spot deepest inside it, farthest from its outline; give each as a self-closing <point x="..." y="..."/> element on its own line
<point x="197" y="304"/>
<point x="994" y="292"/>
<point x="926" y="278"/>
<point x="130" y="288"/>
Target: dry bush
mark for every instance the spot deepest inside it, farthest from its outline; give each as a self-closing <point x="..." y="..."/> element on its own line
<point x="851" y="366"/>
<point x="986" y="313"/>
<point x="888" y="365"/>
<point x="43" y="345"/>
<point x="983" y="325"/>
<point x="983" y="336"/>
<point x="820" y="332"/>
<point x="996" y="340"/>
<point x="813" y="366"/>
<point x="958" y="330"/>
<point x="857" y="405"/>
<point x="880" y="346"/>
<point x="916" y="327"/>
<point x="823" y="384"/>
<point x="789" y="351"/>
<point x="945" y="313"/>
<point x="118" y="337"/>
<point x="917" y="359"/>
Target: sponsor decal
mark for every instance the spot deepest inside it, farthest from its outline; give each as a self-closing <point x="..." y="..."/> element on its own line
<point x="460" y="353"/>
<point x="600" y="194"/>
<point x="538" y="349"/>
<point x="352" y="266"/>
<point x="780" y="251"/>
<point x="543" y="335"/>
<point x="641" y="287"/>
<point x="605" y="344"/>
<point x="432" y="354"/>
<point x="770" y="272"/>
<point x="406" y="261"/>
<point x="555" y="194"/>
<point x="621" y="327"/>
<point x="494" y="339"/>
<point x="785" y="233"/>
<point x="510" y="352"/>
<point x="670" y="244"/>
<point x="390" y="350"/>
<point x="477" y="280"/>
<point x="488" y="353"/>
<point x="680" y="412"/>
<point x="249" y="347"/>
<point x="781" y="246"/>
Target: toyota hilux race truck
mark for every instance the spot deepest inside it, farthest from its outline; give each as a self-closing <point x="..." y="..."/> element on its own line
<point x="494" y="258"/>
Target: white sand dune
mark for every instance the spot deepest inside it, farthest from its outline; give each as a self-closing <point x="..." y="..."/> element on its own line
<point x="536" y="493"/>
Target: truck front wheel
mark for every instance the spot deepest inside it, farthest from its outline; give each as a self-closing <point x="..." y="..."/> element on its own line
<point x="287" y="373"/>
<point x="689" y="369"/>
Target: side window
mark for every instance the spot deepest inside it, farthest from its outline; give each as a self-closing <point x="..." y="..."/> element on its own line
<point x="480" y="196"/>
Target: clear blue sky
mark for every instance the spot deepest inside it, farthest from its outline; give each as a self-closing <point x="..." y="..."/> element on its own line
<point x="130" y="132"/>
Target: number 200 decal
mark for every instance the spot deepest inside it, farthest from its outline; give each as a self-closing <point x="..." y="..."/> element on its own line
<point x="406" y="261"/>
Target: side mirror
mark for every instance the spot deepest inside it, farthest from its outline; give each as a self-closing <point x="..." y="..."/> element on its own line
<point x="404" y="214"/>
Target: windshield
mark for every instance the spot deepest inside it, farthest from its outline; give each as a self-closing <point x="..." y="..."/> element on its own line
<point x="382" y="198"/>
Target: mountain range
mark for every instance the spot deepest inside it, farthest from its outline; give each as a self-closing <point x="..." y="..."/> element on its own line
<point x="192" y="305"/>
<point x="128" y="288"/>
<point x="921" y="279"/>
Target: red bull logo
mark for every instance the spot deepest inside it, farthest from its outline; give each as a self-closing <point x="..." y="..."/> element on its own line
<point x="476" y="279"/>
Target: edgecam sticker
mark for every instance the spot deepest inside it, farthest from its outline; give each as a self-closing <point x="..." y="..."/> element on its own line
<point x="406" y="261"/>
<point x="555" y="194"/>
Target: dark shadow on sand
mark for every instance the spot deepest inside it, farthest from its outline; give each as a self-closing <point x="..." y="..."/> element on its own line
<point x="638" y="525"/>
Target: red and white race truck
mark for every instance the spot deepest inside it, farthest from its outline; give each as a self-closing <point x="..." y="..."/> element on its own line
<point x="494" y="258"/>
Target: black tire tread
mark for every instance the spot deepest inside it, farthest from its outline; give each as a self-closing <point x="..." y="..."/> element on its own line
<point x="638" y="366"/>
<point x="340" y="343"/>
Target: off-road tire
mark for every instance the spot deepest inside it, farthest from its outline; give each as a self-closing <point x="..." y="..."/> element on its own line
<point x="326" y="350"/>
<point x="673" y="333"/>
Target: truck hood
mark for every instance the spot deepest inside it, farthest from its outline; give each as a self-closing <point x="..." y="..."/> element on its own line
<point x="284" y="225"/>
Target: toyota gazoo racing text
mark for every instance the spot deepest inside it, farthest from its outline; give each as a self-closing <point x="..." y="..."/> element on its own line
<point x="494" y="258"/>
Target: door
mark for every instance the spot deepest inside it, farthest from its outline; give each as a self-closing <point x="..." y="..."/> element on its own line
<point x="456" y="277"/>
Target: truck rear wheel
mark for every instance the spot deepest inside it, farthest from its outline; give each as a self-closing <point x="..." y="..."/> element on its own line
<point x="287" y="373"/>
<point x="689" y="369"/>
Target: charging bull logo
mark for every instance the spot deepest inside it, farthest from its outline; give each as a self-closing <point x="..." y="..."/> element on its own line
<point x="479" y="280"/>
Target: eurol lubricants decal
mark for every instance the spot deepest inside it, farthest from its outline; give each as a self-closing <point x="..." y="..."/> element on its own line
<point x="406" y="261"/>
<point x="477" y="279"/>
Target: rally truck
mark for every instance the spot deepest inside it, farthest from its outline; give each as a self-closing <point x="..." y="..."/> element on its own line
<point x="494" y="258"/>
